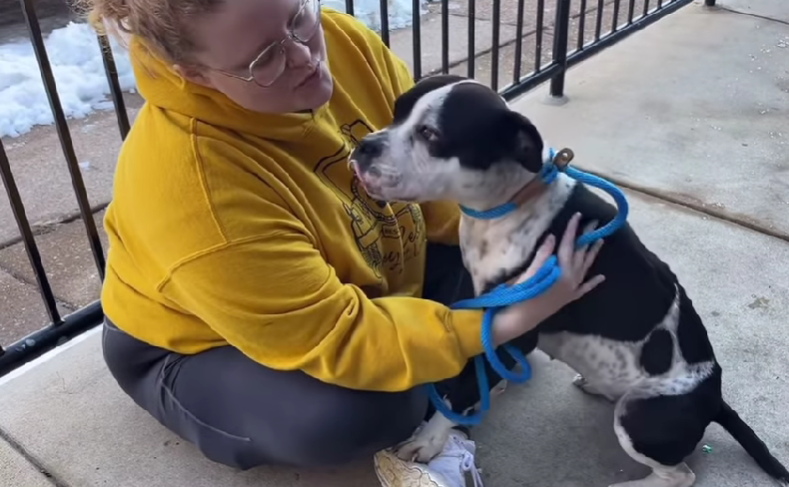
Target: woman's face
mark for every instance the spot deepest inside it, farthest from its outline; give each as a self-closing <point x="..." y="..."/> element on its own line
<point x="283" y="42"/>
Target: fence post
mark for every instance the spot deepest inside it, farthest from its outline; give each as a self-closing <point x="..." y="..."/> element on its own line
<point x="561" y="35"/>
<point x="61" y="125"/>
<point x="111" y="71"/>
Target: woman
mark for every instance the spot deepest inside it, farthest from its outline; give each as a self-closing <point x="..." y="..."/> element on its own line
<point x="258" y="303"/>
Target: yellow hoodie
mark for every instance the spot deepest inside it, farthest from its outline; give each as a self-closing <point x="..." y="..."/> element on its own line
<point x="234" y="227"/>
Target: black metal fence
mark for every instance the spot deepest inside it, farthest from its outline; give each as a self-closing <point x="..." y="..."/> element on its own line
<point x="627" y="17"/>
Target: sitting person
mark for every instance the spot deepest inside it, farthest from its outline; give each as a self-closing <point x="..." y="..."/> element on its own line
<point x="258" y="303"/>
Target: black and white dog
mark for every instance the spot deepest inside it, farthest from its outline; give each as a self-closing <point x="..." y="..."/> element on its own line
<point x="636" y="339"/>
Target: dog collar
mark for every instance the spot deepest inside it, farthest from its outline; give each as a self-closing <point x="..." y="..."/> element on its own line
<point x="557" y="161"/>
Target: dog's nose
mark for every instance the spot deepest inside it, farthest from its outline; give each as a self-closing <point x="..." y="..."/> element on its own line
<point x="369" y="148"/>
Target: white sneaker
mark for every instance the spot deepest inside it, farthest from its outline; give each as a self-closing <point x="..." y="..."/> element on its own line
<point x="447" y="469"/>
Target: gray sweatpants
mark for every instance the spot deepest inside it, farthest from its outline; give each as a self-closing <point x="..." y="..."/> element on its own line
<point x="242" y="414"/>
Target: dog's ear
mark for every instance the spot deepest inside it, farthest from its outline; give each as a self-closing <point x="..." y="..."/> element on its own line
<point x="405" y="103"/>
<point x="520" y="139"/>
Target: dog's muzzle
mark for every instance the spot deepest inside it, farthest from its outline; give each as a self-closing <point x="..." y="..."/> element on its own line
<point x="370" y="148"/>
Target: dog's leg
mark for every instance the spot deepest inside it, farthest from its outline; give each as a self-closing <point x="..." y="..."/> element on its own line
<point x="427" y="442"/>
<point x="678" y="476"/>
<point x="660" y="431"/>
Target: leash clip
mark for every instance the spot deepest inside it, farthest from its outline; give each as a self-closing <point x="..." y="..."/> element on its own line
<point x="562" y="158"/>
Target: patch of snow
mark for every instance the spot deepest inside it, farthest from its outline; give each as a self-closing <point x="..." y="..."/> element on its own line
<point x="75" y="57"/>
<point x="369" y="12"/>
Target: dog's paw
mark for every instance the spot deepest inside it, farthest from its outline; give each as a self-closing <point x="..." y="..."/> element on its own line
<point x="427" y="442"/>
<point x="580" y="382"/>
<point x="421" y="448"/>
<point x="499" y="388"/>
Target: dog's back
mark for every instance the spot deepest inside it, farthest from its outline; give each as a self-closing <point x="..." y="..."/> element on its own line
<point x="639" y="288"/>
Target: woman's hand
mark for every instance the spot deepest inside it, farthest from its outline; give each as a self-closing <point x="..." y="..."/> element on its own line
<point x="523" y="317"/>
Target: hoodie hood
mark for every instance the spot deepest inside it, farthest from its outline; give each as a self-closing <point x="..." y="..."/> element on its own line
<point x="160" y="85"/>
<point x="367" y="80"/>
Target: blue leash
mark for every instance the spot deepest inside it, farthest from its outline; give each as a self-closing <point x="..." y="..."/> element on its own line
<point x="505" y="295"/>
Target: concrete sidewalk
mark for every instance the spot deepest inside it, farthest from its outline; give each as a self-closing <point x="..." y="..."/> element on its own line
<point x="684" y="124"/>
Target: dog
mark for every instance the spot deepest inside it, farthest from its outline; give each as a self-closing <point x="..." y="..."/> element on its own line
<point x="636" y="339"/>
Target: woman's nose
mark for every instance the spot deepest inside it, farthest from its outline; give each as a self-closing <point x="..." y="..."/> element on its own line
<point x="298" y="54"/>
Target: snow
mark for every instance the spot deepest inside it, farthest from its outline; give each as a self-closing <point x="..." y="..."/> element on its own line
<point x="75" y="56"/>
<point x="369" y="12"/>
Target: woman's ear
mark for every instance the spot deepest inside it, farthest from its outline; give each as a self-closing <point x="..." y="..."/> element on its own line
<point x="521" y="140"/>
<point x="192" y="74"/>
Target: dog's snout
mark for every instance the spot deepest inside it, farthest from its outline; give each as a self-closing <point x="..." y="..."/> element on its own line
<point x="369" y="148"/>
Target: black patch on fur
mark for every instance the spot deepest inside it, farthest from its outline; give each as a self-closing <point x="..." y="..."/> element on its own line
<point x="479" y="129"/>
<point x="405" y="103"/>
<point x="475" y="125"/>
<point x="657" y="352"/>
<point x="668" y="428"/>
<point x="694" y="343"/>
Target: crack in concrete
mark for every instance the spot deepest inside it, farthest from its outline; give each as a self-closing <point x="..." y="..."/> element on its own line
<point x="662" y="195"/>
<point x="31" y="459"/>
<point x="68" y="306"/>
<point x="43" y="228"/>
<point x="750" y="14"/>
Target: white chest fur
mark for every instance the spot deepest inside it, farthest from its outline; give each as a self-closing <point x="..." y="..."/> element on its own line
<point x="495" y="247"/>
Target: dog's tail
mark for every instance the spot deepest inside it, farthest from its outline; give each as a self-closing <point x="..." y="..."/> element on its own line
<point x="745" y="436"/>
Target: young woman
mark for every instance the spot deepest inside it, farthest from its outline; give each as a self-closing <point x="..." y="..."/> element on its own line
<point x="258" y="303"/>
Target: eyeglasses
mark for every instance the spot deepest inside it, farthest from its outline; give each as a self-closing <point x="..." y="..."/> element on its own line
<point x="269" y="65"/>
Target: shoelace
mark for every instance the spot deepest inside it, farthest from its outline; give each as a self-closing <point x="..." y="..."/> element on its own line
<point x="467" y="464"/>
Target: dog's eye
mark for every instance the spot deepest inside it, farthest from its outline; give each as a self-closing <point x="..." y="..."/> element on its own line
<point x="427" y="133"/>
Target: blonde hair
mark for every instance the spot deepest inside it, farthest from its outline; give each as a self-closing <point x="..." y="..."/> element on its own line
<point x="160" y="24"/>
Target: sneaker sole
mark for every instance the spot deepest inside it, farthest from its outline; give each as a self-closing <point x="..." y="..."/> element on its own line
<point x="393" y="472"/>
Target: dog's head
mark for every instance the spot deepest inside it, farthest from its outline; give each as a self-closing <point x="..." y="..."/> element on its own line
<point x="451" y="139"/>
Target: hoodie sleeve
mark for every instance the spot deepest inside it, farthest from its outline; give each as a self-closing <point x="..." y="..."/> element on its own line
<point x="276" y="299"/>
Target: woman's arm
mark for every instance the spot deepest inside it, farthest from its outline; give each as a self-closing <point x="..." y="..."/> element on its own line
<point x="276" y="299"/>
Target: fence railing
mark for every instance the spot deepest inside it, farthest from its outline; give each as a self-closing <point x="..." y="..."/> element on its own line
<point x="628" y="16"/>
